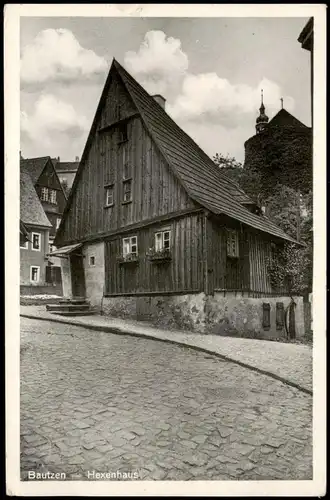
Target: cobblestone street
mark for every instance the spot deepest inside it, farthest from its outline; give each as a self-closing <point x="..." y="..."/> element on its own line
<point x="93" y="401"/>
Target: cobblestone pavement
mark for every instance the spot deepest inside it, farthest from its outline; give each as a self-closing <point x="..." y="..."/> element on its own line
<point x="289" y="361"/>
<point x="93" y="401"/>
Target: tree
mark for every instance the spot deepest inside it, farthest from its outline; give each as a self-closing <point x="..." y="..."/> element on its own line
<point x="248" y="180"/>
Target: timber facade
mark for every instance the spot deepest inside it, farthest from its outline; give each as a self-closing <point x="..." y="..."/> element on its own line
<point x="151" y="225"/>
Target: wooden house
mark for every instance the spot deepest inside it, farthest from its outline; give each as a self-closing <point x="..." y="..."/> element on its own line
<point x="152" y="229"/>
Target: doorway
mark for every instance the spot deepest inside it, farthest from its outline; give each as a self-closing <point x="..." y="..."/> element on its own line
<point x="77" y="275"/>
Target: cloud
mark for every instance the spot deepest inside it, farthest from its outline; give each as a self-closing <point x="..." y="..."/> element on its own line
<point x="52" y="122"/>
<point x="159" y="62"/>
<point x="161" y="66"/>
<point x="56" y="55"/>
<point x="207" y="96"/>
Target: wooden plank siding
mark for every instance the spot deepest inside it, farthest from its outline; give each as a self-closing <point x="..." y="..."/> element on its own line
<point x="155" y="190"/>
<point x="260" y="252"/>
<point x="184" y="273"/>
<point x="246" y="273"/>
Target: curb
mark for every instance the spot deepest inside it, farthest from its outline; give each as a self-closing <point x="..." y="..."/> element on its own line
<point x="120" y="331"/>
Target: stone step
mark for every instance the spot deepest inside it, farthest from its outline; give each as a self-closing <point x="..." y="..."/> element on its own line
<point x="81" y="300"/>
<point x="66" y="307"/>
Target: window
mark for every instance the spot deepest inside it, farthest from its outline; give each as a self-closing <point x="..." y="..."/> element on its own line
<point x="130" y="246"/>
<point x="266" y="316"/>
<point x="127" y="195"/>
<point x="58" y="222"/>
<point x="122" y="129"/>
<point x="36" y="241"/>
<point x="162" y="240"/>
<point x="34" y="274"/>
<point x="52" y="196"/>
<point x="44" y="194"/>
<point x="109" y="198"/>
<point x="232" y="243"/>
<point x="92" y="260"/>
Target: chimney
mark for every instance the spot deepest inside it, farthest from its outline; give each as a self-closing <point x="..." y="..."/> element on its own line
<point x="160" y="99"/>
<point x="58" y="158"/>
<point x="77" y="158"/>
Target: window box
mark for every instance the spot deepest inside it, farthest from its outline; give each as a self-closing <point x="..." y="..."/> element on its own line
<point x="159" y="256"/>
<point x="130" y="258"/>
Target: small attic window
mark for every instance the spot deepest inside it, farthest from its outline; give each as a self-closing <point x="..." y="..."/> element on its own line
<point x="122" y="133"/>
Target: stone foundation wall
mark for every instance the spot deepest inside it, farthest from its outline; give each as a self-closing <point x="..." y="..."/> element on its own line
<point x="218" y="314"/>
<point x="173" y="311"/>
<point x="243" y="316"/>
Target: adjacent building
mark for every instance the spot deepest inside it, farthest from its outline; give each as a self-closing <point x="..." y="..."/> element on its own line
<point x="66" y="171"/>
<point x="281" y="149"/>
<point x="52" y="200"/>
<point x="34" y="236"/>
<point x="153" y="230"/>
<point x="306" y="39"/>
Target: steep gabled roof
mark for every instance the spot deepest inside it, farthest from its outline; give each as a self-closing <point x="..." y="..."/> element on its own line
<point x="31" y="209"/>
<point x="283" y="119"/>
<point x="198" y="174"/>
<point x="35" y="166"/>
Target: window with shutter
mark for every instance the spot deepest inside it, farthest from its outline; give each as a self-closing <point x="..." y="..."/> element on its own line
<point x="266" y="316"/>
<point x="279" y="315"/>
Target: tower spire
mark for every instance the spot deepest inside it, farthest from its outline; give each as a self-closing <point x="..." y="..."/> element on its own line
<point x="262" y="119"/>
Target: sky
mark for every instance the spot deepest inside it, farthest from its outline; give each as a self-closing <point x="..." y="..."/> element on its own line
<point x="210" y="71"/>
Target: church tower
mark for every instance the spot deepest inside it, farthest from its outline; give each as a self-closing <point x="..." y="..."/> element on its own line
<point x="262" y="120"/>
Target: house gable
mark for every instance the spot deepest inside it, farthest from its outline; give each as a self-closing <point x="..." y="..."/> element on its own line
<point x="110" y="163"/>
<point x="196" y="174"/>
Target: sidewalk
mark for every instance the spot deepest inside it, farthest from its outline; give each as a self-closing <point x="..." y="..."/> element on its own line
<point x="291" y="363"/>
